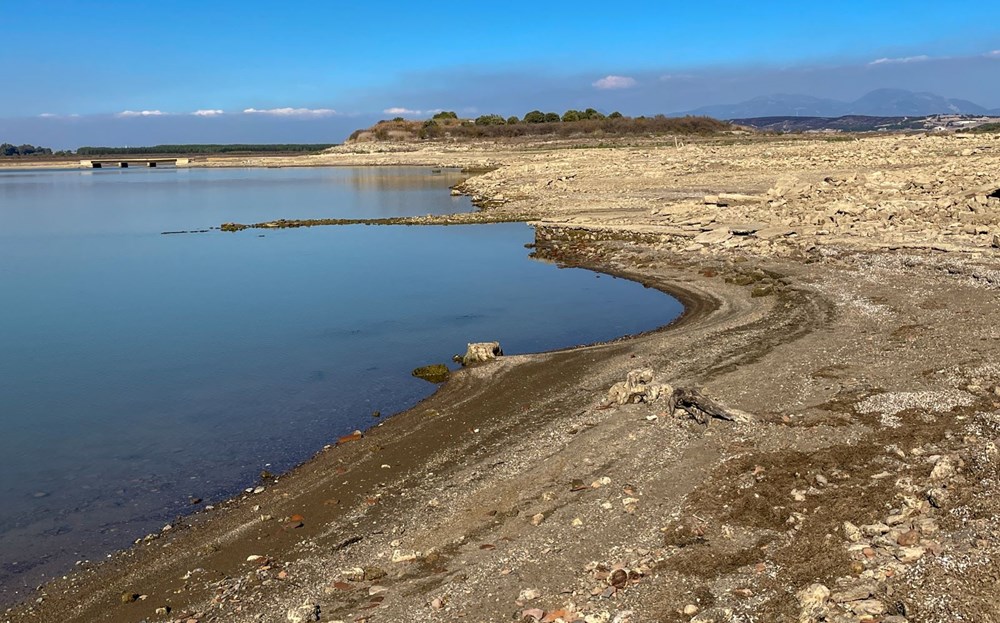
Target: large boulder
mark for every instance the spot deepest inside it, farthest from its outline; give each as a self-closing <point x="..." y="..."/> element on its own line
<point x="479" y="352"/>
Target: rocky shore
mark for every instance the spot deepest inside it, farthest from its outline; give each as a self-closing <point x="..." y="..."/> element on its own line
<point x="814" y="440"/>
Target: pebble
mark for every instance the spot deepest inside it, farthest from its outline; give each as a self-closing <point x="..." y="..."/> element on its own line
<point x="874" y="529"/>
<point x="872" y="607"/>
<point x="813" y="595"/>
<point x="528" y="594"/>
<point x="852" y="532"/>
<point x="910" y="554"/>
<point x="401" y="556"/>
<point x="691" y="610"/>
<point x="537" y="519"/>
<point x="304" y="614"/>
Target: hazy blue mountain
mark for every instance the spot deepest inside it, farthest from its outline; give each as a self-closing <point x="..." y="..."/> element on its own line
<point x="878" y="103"/>
<point x="898" y="102"/>
<point x="777" y="105"/>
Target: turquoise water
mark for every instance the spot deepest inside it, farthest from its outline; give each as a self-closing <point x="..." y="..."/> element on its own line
<point x="138" y="370"/>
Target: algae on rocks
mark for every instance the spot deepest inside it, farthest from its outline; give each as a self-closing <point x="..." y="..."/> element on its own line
<point x="435" y="373"/>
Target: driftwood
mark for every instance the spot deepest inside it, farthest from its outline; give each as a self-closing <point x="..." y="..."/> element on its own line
<point x="639" y="387"/>
<point x="702" y="408"/>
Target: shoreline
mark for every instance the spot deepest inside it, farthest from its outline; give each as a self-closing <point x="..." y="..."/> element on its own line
<point x="95" y="574"/>
<point x="462" y="218"/>
<point x="869" y="377"/>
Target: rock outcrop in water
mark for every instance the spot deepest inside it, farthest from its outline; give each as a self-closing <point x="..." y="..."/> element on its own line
<point x="434" y="373"/>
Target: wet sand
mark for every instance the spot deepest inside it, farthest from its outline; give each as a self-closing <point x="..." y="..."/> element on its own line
<point x="863" y="348"/>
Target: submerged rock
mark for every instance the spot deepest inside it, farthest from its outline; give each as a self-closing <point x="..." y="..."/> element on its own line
<point x="435" y="373"/>
<point x="479" y="352"/>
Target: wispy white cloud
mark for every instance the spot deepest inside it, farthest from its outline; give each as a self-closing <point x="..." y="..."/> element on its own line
<point x="401" y="111"/>
<point x="615" y="82"/>
<point x="48" y="115"/>
<point x="140" y="113"/>
<point x="669" y="77"/>
<point x="292" y="112"/>
<point x="905" y="59"/>
<point x="208" y="113"/>
<point x="993" y="54"/>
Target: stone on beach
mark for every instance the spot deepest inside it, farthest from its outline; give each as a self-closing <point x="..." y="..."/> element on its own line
<point x="480" y="352"/>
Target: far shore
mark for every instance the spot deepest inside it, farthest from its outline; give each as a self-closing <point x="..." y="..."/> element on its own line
<point x="816" y="439"/>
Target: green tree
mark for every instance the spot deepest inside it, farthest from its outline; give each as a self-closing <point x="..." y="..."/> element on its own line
<point x="490" y="120"/>
<point x="512" y="120"/>
<point x="535" y="116"/>
<point x="446" y="114"/>
<point x="615" y="115"/>
<point x="551" y="117"/>
<point x="571" y="115"/>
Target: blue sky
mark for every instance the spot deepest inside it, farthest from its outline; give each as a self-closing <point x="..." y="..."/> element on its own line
<point x="323" y="67"/>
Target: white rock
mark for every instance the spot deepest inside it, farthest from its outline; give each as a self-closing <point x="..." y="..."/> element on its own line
<point x="401" y="556"/>
<point x="304" y="613"/>
<point x="528" y="594"/>
<point x="852" y="532"/>
<point x="479" y="352"/>
<point x="943" y="469"/>
<point x="714" y="236"/>
<point x="910" y="554"/>
<point x="812" y="599"/>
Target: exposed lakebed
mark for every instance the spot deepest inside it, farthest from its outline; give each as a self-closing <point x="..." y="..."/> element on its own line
<point x="139" y="371"/>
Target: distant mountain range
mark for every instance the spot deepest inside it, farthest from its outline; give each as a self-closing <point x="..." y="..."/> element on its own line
<point x="878" y="103"/>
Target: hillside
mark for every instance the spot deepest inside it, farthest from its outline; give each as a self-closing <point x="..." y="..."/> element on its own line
<point x="536" y="123"/>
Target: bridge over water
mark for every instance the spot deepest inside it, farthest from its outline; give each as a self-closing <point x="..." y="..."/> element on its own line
<point x="124" y="163"/>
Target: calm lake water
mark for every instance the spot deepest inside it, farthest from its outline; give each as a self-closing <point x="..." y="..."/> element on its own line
<point x="140" y="369"/>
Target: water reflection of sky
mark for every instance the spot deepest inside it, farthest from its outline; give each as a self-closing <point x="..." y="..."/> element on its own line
<point x="137" y="369"/>
<point x="136" y="200"/>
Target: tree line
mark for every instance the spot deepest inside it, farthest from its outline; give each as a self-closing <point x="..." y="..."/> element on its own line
<point x="447" y="124"/>
<point x="6" y="149"/>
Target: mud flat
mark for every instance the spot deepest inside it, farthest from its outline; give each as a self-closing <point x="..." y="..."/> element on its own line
<point x="842" y="295"/>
